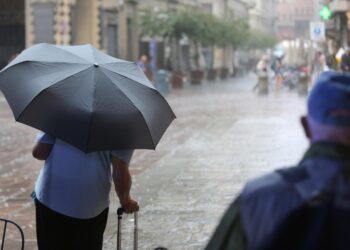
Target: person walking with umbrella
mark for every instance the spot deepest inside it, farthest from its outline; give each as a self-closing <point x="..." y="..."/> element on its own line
<point x="94" y="110"/>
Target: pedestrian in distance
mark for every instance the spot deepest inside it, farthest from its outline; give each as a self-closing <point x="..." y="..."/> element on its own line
<point x="144" y="64"/>
<point x="277" y="68"/>
<point x="319" y="65"/>
<point x="262" y="69"/>
<point x="345" y="61"/>
<point x="323" y="63"/>
<point x="262" y="65"/>
<point x="307" y="206"/>
<point x="72" y="193"/>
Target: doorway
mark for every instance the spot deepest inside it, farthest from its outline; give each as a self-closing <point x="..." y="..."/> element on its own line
<point x="12" y="29"/>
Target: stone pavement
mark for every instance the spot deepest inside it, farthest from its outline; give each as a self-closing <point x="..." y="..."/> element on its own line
<point x="223" y="135"/>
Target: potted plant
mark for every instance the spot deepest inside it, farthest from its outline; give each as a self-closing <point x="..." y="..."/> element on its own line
<point x="209" y="38"/>
<point x="233" y="34"/>
<point x="189" y="25"/>
<point x="211" y="74"/>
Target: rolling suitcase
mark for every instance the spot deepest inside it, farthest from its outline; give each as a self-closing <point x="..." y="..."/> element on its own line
<point x="120" y="212"/>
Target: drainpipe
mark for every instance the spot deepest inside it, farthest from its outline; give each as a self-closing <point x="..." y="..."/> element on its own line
<point x="344" y="30"/>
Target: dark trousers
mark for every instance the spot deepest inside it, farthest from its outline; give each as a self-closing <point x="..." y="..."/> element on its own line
<point x="59" y="232"/>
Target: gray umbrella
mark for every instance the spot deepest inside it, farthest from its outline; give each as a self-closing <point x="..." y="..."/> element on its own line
<point x="85" y="97"/>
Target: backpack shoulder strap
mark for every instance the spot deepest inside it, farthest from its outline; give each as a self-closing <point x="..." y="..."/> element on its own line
<point x="294" y="174"/>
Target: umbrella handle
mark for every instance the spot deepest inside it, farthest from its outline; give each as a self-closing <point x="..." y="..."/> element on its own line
<point x="120" y="211"/>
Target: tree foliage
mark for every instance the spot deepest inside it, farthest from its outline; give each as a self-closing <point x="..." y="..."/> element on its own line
<point x="232" y="32"/>
<point x="203" y="29"/>
<point x="155" y="24"/>
<point x="200" y="28"/>
<point x="260" y="40"/>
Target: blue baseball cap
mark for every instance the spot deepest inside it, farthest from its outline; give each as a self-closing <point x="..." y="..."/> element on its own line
<point x="329" y="100"/>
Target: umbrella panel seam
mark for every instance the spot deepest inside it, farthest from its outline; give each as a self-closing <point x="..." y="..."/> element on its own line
<point x="124" y="75"/>
<point x="92" y="115"/>
<point x="61" y="48"/>
<point x="54" y="84"/>
<point x="52" y="46"/>
<point x="149" y="131"/>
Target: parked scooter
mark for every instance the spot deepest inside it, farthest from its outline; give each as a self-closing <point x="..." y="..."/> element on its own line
<point x="291" y="76"/>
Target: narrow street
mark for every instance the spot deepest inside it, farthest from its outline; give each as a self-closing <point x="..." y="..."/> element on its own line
<point x="223" y="136"/>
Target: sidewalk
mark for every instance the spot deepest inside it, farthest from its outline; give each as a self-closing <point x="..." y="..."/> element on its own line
<point x="224" y="135"/>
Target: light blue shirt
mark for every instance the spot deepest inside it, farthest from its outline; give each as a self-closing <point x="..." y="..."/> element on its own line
<point x="75" y="183"/>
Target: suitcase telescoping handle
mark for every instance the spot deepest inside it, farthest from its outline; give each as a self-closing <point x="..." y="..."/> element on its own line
<point x="120" y="212"/>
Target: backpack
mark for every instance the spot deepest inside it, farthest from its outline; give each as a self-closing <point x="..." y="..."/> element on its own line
<point x="316" y="225"/>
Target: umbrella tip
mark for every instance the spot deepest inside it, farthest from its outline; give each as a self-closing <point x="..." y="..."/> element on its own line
<point x="96" y="64"/>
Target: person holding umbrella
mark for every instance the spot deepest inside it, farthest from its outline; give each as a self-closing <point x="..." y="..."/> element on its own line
<point x="94" y="110"/>
<point x="72" y="193"/>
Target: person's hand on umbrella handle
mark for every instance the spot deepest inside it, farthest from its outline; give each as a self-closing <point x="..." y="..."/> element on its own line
<point x="130" y="206"/>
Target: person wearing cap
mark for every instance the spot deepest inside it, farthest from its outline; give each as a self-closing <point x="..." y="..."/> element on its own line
<point x="306" y="206"/>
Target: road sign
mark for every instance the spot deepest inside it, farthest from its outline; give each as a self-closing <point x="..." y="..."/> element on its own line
<point x="317" y="31"/>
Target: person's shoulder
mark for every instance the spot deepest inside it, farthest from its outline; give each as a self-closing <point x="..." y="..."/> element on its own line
<point x="272" y="192"/>
<point x="263" y="183"/>
<point x="266" y="201"/>
<point x="277" y="182"/>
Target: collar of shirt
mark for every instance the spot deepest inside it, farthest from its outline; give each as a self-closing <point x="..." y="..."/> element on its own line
<point x="330" y="150"/>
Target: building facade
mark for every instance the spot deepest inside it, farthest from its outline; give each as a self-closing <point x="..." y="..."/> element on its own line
<point x="228" y="9"/>
<point x="106" y="24"/>
<point x="339" y="23"/>
<point x="111" y="25"/>
<point x="12" y="29"/>
<point x="294" y="17"/>
<point x="263" y="16"/>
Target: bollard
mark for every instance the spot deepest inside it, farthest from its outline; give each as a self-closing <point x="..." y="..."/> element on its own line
<point x="263" y="83"/>
<point x="303" y="84"/>
<point x="162" y="82"/>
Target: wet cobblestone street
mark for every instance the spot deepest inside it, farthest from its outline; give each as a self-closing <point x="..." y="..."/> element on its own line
<point x="223" y="136"/>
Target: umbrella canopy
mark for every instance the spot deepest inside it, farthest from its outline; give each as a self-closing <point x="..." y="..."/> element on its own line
<point x="278" y="53"/>
<point x="85" y="97"/>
